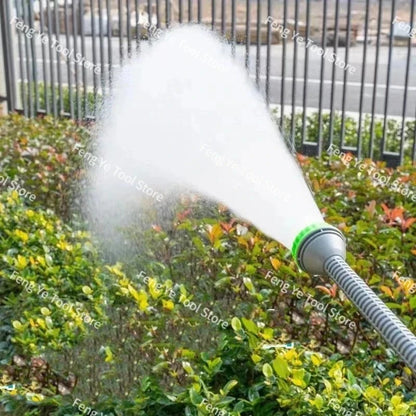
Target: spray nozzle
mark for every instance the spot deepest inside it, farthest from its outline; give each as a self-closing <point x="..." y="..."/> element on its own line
<point x="320" y="249"/>
<point x="315" y="244"/>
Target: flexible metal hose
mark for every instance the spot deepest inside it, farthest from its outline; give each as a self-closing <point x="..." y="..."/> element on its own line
<point x="374" y="310"/>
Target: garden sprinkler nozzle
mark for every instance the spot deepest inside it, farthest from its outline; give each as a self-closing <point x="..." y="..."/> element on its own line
<point x="320" y="249"/>
<point x="315" y="244"/>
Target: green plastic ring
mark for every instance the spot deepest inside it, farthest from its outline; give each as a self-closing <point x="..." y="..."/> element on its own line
<point x="304" y="233"/>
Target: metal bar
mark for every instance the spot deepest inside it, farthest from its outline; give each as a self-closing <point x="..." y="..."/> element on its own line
<point x="25" y="103"/>
<point x="306" y="71"/>
<point x="120" y="31"/>
<point x="21" y="64"/>
<point x="321" y="86"/>
<point x="137" y="12"/>
<point x="94" y="56"/>
<point x="268" y="57"/>
<point x="44" y="65"/>
<point x="52" y="72"/>
<point x="212" y="14"/>
<point x="109" y="39"/>
<point x="223" y="17"/>
<point x="294" y="75"/>
<point x="34" y="60"/>
<point x="200" y="11"/>
<point x="68" y="62"/>
<point x="157" y="13"/>
<point x="282" y="88"/>
<point x="386" y="101"/>
<point x="28" y="66"/>
<point x="102" y="57"/>
<point x="345" y="81"/>
<point x="168" y="13"/>
<point x="75" y="30"/>
<point x="83" y="51"/>
<point x="8" y="56"/>
<point x="363" y="68"/>
<point x="373" y="104"/>
<point x="258" y="49"/>
<point x="181" y="11"/>
<point x="331" y="116"/>
<point x="58" y="63"/>
<point x="233" y="31"/>
<point x="149" y="12"/>
<point x="414" y="145"/>
<point x="248" y="34"/>
<point x="190" y="11"/>
<point x="128" y="28"/>
<point x="406" y="85"/>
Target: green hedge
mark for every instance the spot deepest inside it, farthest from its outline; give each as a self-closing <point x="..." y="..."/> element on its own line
<point x="153" y="355"/>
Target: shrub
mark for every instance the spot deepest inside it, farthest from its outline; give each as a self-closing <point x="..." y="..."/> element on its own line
<point x="37" y="154"/>
<point x="155" y="355"/>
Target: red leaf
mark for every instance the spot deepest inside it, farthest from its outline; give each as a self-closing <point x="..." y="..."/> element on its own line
<point x="324" y="289"/>
<point x="407" y="224"/>
<point x="182" y="215"/>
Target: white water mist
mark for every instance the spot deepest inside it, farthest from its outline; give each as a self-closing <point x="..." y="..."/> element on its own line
<point x="184" y="113"/>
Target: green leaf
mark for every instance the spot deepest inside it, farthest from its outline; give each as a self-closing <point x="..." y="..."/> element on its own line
<point x="248" y="284"/>
<point x="17" y="325"/>
<point x="267" y="370"/>
<point x="236" y="324"/>
<point x="196" y="398"/>
<point x="87" y="290"/>
<point x="250" y="326"/>
<point x="229" y="386"/>
<point x="281" y="367"/>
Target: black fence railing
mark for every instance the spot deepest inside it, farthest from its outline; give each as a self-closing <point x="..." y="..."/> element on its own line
<point x="335" y="72"/>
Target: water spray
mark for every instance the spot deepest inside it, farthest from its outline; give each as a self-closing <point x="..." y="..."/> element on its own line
<point x="320" y="249"/>
<point x="233" y="153"/>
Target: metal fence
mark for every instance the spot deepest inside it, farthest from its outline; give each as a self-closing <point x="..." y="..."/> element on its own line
<point x="336" y="72"/>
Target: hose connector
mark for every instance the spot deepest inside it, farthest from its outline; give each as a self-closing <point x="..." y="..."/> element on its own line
<point x="315" y="244"/>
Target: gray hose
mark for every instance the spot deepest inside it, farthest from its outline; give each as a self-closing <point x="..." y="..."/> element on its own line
<point x="374" y="310"/>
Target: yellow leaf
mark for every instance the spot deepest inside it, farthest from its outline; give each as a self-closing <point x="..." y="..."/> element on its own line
<point x="21" y="262"/>
<point x="316" y="360"/>
<point x="140" y="297"/>
<point x="41" y="323"/>
<point x="168" y="304"/>
<point x="298" y="378"/>
<point x="154" y="292"/>
<point x="387" y="291"/>
<point x="267" y="334"/>
<point x="116" y="270"/>
<point x="275" y="263"/>
<point x="45" y="311"/>
<point x="63" y="245"/>
<point x="214" y="232"/>
<point x="87" y="290"/>
<point x="133" y="292"/>
<point x="256" y="358"/>
<point x="108" y="355"/>
<point x="41" y="260"/>
<point x="385" y="381"/>
<point x="22" y="235"/>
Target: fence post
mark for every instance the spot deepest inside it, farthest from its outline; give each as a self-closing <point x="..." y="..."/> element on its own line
<point x="7" y="80"/>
